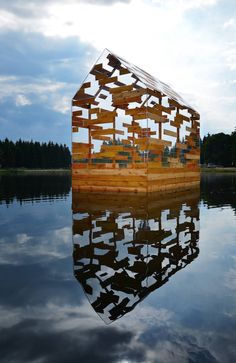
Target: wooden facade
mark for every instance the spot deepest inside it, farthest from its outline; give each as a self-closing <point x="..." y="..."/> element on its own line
<point x="132" y="132"/>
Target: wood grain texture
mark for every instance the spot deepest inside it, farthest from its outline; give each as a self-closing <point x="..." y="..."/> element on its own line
<point x="126" y="116"/>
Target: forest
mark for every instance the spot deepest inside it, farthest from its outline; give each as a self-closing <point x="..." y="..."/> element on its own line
<point x="219" y="149"/>
<point x="33" y="154"/>
<point x="216" y="149"/>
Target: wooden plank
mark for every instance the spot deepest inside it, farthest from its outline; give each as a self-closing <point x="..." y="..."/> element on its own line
<point x="90" y="123"/>
<point x="192" y="157"/>
<point x="155" y="110"/>
<point x="154" y="93"/>
<point x="196" y="123"/>
<point x="78" y="144"/>
<point x="164" y="142"/>
<point x="105" y="113"/>
<point x="190" y="129"/>
<point x="84" y="101"/>
<point x="152" y="116"/>
<point x="79" y="119"/>
<point x="193" y="113"/>
<point x="102" y="96"/>
<point x="122" y="103"/>
<point x="170" y="133"/>
<point x="76" y="123"/>
<point x="140" y="116"/>
<point x="101" y="121"/>
<point x="107" y="80"/>
<point x="80" y="150"/>
<point x="126" y="142"/>
<point x="113" y="177"/>
<point x="159" y="119"/>
<point x="123" y="71"/>
<point x="109" y="155"/>
<point x="147" y="133"/>
<point x="128" y="97"/>
<point x="95" y="127"/>
<point x="113" y="189"/>
<point x="134" y="129"/>
<point x="129" y="94"/>
<point x="107" y="132"/>
<point x="180" y="117"/>
<point x="173" y="160"/>
<point x="77" y="113"/>
<point x="113" y="148"/>
<point x="175" y="123"/>
<point x="79" y="156"/>
<point x="152" y="141"/>
<point x="120" y="172"/>
<point x="156" y="148"/>
<point x="94" y="110"/>
<point x="85" y="85"/>
<point x="98" y="70"/>
<point x="103" y="138"/>
<point x="163" y="108"/>
<point x="75" y="129"/>
<point x="180" y="173"/>
<point x="176" y="104"/>
<point x="181" y="146"/>
<point x="116" y="90"/>
<point x="135" y="111"/>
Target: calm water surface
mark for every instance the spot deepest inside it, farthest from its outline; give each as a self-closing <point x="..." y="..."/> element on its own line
<point x="91" y="278"/>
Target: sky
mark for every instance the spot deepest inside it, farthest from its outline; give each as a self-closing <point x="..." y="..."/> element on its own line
<point x="48" y="47"/>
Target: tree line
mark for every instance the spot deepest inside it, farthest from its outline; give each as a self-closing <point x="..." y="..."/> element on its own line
<point x="29" y="154"/>
<point x="219" y="149"/>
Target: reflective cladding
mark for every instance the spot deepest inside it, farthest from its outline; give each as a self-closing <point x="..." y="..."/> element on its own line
<point x="131" y="132"/>
<point x="125" y="248"/>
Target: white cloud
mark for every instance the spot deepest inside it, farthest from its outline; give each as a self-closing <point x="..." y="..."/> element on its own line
<point x="42" y="90"/>
<point x="22" y="238"/>
<point x="194" y="56"/>
<point x="30" y="249"/>
<point x="7" y="78"/>
<point x="18" y="88"/>
<point x="229" y="23"/>
<point x="8" y="21"/>
<point x="230" y="56"/>
<point x="62" y="104"/>
<point x="22" y="100"/>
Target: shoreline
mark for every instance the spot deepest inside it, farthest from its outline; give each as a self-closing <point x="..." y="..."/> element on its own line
<point x="15" y="171"/>
<point x="218" y="170"/>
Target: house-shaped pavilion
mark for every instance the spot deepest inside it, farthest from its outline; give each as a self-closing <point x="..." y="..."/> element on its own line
<point x="132" y="132"/>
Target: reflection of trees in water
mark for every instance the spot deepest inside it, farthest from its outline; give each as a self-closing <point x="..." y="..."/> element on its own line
<point x="124" y="249"/>
<point x="218" y="190"/>
<point x="33" y="187"/>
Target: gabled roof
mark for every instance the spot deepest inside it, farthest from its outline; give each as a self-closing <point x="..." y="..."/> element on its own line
<point x="152" y="82"/>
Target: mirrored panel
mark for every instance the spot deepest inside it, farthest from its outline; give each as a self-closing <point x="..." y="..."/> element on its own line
<point x="128" y="129"/>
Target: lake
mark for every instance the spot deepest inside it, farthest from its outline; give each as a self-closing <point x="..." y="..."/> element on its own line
<point x="113" y="278"/>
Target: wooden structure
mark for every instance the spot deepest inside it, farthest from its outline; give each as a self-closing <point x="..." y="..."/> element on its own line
<point x="126" y="248"/>
<point x="131" y="132"/>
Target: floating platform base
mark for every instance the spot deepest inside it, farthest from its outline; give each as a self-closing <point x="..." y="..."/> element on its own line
<point x="138" y="180"/>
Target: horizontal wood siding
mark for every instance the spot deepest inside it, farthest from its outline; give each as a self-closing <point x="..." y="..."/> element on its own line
<point x="145" y="180"/>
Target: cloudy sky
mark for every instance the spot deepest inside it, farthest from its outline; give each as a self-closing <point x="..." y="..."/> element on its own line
<point x="48" y="46"/>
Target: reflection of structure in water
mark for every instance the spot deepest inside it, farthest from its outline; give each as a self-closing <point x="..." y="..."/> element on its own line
<point x="126" y="248"/>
